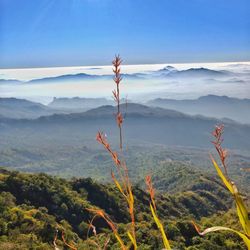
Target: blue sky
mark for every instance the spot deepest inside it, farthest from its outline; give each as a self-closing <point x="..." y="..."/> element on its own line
<point x="41" y="33"/>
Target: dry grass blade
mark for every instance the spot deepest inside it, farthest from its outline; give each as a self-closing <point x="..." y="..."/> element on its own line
<point x="97" y="237"/>
<point x="72" y="247"/>
<point x="151" y="190"/>
<point x="102" y="214"/>
<point x="245" y="169"/>
<point x="217" y="133"/>
<point x="106" y="243"/>
<point x="219" y="228"/>
<point x="55" y="240"/>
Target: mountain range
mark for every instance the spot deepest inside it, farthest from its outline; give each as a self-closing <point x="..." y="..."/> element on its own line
<point x="70" y="78"/>
<point x="78" y="104"/>
<point x="172" y="72"/>
<point x="9" y="81"/>
<point x="210" y="105"/>
<point x="220" y="107"/>
<point x="168" y="71"/>
<point x="143" y="123"/>
<point x="21" y="108"/>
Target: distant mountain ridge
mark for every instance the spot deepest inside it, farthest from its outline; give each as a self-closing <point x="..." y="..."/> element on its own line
<point x="78" y="103"/>
<point x="142" y="123"/>
<point x="199" y="72"/>
<point x="168" y="71"/>
<point x="171" y="72"/>
<point x="71" y="78"/>
<point x="220" y="107"/>
<point x="75" y="77"/>
<point x="210" y="105"/>
<point x="21" y="108"/>
<point x="12" y="81"/>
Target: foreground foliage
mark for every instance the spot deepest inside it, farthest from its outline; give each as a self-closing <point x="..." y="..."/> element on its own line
<point x="241" y="208"/>
<point x="33" y="206"/>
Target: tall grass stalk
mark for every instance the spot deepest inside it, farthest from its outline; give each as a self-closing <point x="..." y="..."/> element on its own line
<point x="102" y="214"/>
<point x="241" y="208"/>
<point x="69" y="245"/>
<point x="153" y="209"/>
<point x="123" y="182"/>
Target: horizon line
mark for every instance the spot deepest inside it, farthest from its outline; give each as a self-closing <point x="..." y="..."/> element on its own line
<point x="139" y="64"/>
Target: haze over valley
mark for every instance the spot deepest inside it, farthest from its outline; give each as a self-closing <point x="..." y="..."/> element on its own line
<point x="167" y="108"/>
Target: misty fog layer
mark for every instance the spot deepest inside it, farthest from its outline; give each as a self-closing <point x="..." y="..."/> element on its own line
<point x="141" y="82"/>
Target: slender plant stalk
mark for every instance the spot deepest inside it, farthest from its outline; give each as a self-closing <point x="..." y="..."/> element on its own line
<point x="119" y="120"/>
<point x="241" y="208"/>
<point x="97" y="242"/>
<point x="153" y="209"/>
<point x="102" y="214"/>
<point x="70" y="246"/>
<point x="218" y="140"/>
<point x="116" y="94"/>
<point x="123" y="183"/>
<point x="55" y="240"/>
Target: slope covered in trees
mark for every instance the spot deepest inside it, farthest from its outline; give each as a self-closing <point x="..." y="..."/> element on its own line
<point x="34" y="206"/>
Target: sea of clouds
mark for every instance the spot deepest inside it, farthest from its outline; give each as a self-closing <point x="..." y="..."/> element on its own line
<point x="151" y="85"/>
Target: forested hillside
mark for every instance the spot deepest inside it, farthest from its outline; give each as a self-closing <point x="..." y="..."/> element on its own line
<point x="34" y="206"/>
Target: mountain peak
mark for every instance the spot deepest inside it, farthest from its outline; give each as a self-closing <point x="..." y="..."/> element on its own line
<point x="168" y="68"/>
<point x="212" y="97"/>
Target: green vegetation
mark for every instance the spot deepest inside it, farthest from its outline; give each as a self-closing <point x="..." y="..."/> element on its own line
<point x="66" y="159"/>
<point x="241" y="207"/>
<point x="33" y="206"/>
<point x="39" y="211"/>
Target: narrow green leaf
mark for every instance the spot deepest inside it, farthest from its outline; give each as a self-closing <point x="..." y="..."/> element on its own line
<point x="160" y="226"/>
<point x="241" y="208"/>
<point x="222" y="176"/>
<point x="123" y="247"/>
<point x="242" y="214"/>
<point x="132" y="240"/>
